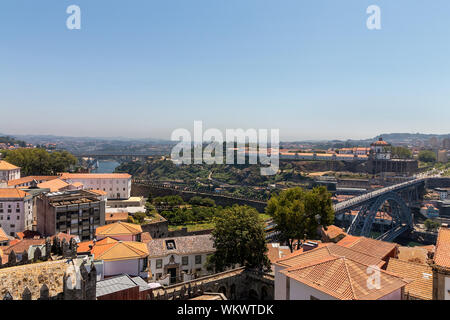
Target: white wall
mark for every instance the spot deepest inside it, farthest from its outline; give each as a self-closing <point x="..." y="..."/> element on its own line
<point x="396" y="295"/>
<point x="300" y="291"/>
<point x="113" y="186"/>
<point x="280" y="284"/>
<point x="21" y="220"/>
<point x="447" y="288"/>
<point x="130" y="267"/>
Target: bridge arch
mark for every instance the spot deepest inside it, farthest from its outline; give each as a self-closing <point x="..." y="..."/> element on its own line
<point x="399" y="212"/>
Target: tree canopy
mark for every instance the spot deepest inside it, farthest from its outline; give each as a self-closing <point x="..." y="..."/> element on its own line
<point x="427" y="156"/>
<point x="401" y="152"/>
<point x="298" y="213"/>
<point x="39" y="161"/>
<point x="239" y="238"/>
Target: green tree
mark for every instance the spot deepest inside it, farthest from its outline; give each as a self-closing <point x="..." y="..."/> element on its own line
<point x="431" y="225"/>
<point x="139" y="217"/>
<point x="401" y="152"/>
<point x="298" y="213"/>
<point x="427" y="156"/>
<point x="239" y="238"/>
<point x="40" y="162"/>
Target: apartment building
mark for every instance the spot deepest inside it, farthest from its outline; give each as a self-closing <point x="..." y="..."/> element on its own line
<point x="16" y="211"/>
<point x="117" y="185"/>
<point x="76" y="212"/>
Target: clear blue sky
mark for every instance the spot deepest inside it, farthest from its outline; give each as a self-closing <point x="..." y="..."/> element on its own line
<point x="143" y="68"/>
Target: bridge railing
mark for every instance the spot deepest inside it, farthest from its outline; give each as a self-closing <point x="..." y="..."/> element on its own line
<point x="363" y="198"/>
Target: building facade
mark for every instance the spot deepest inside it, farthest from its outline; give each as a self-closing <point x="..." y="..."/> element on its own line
<point x="16" y="211"/>
<point x="77" y="212"/>
<point x="117" y="185"/>
<point x="8" y="171"/>
<point x="179" y="259"/>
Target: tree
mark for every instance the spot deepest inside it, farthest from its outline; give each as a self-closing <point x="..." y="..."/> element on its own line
<point x="401" y="152"/>
<point x="139" y="217"/>
<point x="431" y="225"/>
<point x="40" y="162"/>
<point x="298" y="213"/>
<point x="239" y="238"/>
<point x="427" y="156"/>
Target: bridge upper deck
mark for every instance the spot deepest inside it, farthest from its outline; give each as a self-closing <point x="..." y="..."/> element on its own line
<point x="359" y="200"/>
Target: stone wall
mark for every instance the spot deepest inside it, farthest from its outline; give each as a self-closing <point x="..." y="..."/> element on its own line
<point x="65" y="279"/>
<point x="33" y="276"/>
<point x="237" y="284"/>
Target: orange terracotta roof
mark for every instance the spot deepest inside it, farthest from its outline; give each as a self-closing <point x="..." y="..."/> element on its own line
<point x="7" y="166"/>
<point x="22" y="245"/>
<point x="413" y="254"/>
<point x="77" y="184"/>
<point x="12" y="193"/>
<point x="3" y="236"/>
<point x="120" y="250"/>
<point x="62" y="235"/>
<point x="146" y="237"/>
<point x="420" y="275"/>
<point x="324" y="251"/>
<point x="332" y="232"/>
<point x="95" y="176"/>
<point x="99" y="192"/>
<point x="116" y="216"/>
<point x="28" y="234"/>
<point x="442" y="254"/>
<point x="84" y="246"/>
<point x="375" y="248"/>
<point x="53" y="185"/>
<point x="29" y="179"/>
<point x="118" y="228"/>
<point x="276" y="252"/>
<point x="343" y="278"/>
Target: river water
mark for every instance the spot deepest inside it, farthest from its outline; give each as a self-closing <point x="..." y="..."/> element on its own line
<point x="106" y="166"/>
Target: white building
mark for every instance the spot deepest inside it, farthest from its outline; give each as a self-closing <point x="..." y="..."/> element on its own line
<point x="380" y="150"/>
<point x="8" y="171"/>
<point x="16" y="211"/>
<point x="180" y="258"/>
<point x="117" y="185"/>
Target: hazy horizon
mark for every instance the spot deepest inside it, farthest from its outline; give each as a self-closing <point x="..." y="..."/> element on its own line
<point x="143" y="69"/>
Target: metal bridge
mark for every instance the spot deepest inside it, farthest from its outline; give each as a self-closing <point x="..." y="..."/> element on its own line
<point x="391" y="198"/>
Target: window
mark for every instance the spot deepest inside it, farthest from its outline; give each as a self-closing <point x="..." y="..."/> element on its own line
<point x="144" y="264"/>
<point x="185" y="261"/>
<point x="7" y="217"/>
<point x="198" y="259"/>
<point x="17" y="210"/>
<point x="18" y="217"/>
<point x="159" y="264"/>
<point x="170" y="244"/>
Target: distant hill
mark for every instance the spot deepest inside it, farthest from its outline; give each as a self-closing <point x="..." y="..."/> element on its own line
<point x="11" y="140"/>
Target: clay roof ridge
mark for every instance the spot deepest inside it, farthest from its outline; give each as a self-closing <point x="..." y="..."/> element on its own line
<point x="350" y="281"/>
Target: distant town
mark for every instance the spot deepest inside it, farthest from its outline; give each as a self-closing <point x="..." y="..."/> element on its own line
<point x="117" y="219"/>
